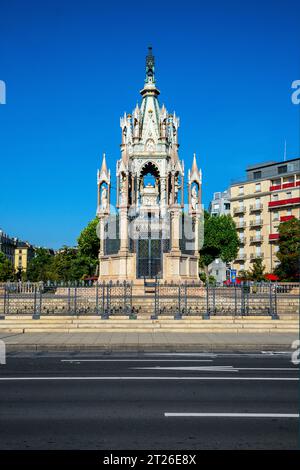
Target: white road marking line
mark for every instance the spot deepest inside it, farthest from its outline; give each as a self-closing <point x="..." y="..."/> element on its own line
<point x="274" y="353"/>
<point x="135" y="360"/>
<point x="196" y="368"/>
<point x="281" y="379"/>
<point x="232" y="415"/>
<point x="182" y="354"/>
<point x="217" y="368"/>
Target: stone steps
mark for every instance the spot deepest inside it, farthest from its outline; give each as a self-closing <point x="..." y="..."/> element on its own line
<point x="21" y="324"/>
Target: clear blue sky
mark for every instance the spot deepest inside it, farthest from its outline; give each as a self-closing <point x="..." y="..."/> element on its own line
<point x="72" y="68"/>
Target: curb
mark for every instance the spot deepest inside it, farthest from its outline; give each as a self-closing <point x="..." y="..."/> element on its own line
<point x="15" y="348"/>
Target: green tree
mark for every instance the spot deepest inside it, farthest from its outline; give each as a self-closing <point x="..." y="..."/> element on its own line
<point x="289" y="250"/>
<point x="256" y="273"/>
<point x="220" y="239"/>
<point x="62" y="264"/>
<point x="6" y="268"/>
<point x="69" y="264"/>
<point x="40" y="267"/>
<point x="88" y="240"/>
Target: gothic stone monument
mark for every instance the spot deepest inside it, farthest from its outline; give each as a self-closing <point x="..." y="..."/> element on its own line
<point x="149" y="234"/>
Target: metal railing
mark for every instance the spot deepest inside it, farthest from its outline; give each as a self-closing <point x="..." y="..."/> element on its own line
<point x="161" y="299"/>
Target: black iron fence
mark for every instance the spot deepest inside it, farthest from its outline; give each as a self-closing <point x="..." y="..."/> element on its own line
<point x="36" y="299"/>
<point x="157" y="299"/>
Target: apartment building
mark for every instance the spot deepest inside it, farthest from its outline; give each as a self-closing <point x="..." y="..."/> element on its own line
<point x="8" y="245"/>
<point x="24" y="252"/>
<point x="220" y="205"/>
<point x="269" y="195"/>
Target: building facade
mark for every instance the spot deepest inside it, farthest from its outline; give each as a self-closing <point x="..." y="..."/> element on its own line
<point x="220" y="205"/>
<point x="8" y="246"/>
<point x="269" y="195"/>
<point x="24" y="252"/>
<point x="148" y="234"/>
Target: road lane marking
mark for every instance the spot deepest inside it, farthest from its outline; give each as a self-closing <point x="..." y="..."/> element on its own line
<point x="193" y="368"/>
<point x="216" y="368"/>
<point x="182" y="354"/>
<point x="231" y="415"/>
<point x="135" y="360"/>
<point x="281" y="379"/>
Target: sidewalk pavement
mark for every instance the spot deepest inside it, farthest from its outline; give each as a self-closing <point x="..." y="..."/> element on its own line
<point x="136" y="341"/>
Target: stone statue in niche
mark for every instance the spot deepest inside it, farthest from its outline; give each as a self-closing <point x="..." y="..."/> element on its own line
<point x="122" y="189"/>
<point x="194" y="198"/>
<point x="104" y="200"/>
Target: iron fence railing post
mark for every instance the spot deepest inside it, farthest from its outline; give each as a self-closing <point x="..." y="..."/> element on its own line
<point x="243" y="299"/>
<point x="69" y="300"/>
<point x="206" y="315"/>
<point x="177" y="315"/>
<point x="103" y="301"/>
<point x="97" y="299"/>
<point x="273" y="311"/>
<point x="35" y="315"/>
<point x="185" y="298"/>
<point x="154" y="316"/>
<point x="125" y="309"/>
<point x="2" y="316"/>
<point x="235" y="300"/>
<point x="75" y="300"/>
<point x="275" y="301"/>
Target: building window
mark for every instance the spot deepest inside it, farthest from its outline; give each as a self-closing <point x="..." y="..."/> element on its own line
<point x="282" y="169"/>
<point x="257" y="175"/>
<point x="289" y="212"/>
<point x="289" y="194"/>
<point x="275" y="197"/>
<point x="241" y="190"/>
<point x="257" y="187"/>
<point x="275" y="216"/>
<point x="227" y="206"/>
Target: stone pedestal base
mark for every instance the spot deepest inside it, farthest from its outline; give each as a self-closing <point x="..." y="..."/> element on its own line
<point x="179" y="267"/>
<point x="118" y="267"/>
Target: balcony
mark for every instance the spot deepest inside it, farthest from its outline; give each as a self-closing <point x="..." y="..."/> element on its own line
<point x="256" y="223"/>
<point x="241" y="257"/>
<point x="254" y="256"/>
<point x="284" y="202"/>
<point x="242" y="241"/>
<point x="239" y="210"/>
<point x="288" y="185"/>
<point x="257" y="239"/>
<point x="276" y="187"/>
<point x="240" y="224"/>
<point x="256" y="207"/>
<point x="273" y="237"/>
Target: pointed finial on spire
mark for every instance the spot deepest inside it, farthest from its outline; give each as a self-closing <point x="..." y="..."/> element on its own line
<point x="195" y="166"/>
<point x="103" y="166"/>
<point x="150" y="66"/>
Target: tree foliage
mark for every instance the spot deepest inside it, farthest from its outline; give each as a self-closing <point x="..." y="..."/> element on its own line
<point x="40" y="267"/>
<point x="257" y="271"/>
<point x="289" y="250"/>
<point x="6" y="269"/>
<point x="220" y="239"/>
<point x="88" y="240"/>
<point x="68" y="264"/>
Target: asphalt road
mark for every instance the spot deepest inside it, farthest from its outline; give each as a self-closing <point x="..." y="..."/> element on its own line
<point x="149" y="401"/>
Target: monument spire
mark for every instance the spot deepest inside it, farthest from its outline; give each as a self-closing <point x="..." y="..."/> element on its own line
<point x="150" y="62"/>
